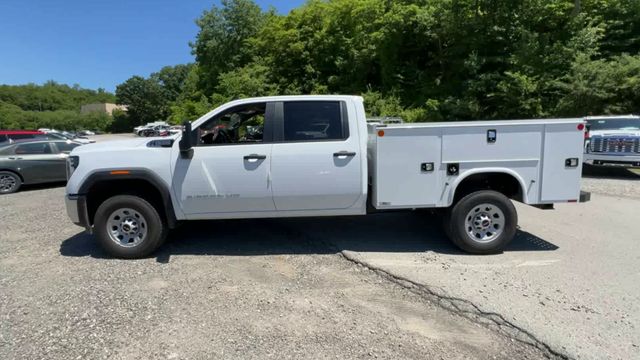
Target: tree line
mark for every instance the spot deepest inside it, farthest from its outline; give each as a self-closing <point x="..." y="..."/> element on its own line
<point x="423" y="60"/>
<point x="51" y="105"/>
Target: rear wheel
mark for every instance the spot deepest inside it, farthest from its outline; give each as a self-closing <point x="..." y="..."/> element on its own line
<point x="129" y="227"/>
<point x="482" y="222"/>
<point x="9" y="182"/>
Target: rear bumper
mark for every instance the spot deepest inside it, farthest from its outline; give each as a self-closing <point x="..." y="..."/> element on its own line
<point x="622" y="160"/>
<point x="77" y="210"/>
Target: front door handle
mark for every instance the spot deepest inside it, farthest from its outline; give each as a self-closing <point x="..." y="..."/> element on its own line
<point x="344" y="153"/>
<point x="255" y="157"/>
<point x="15" y="158"/>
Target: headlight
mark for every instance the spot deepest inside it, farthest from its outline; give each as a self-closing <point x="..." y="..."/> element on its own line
<point x="72" y="165"/>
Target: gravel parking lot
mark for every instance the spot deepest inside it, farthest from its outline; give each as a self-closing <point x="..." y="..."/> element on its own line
<point x="382" y="286"/>
<point x="240" y="289"/>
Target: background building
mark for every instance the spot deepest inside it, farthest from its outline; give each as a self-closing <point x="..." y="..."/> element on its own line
<point x="102" y="107"/>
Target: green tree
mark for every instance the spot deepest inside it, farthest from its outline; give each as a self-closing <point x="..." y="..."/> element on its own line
<point x="424" y="60"/>
<point x="146" y="100"/>
<point x="220" y="45"/>
<point x="601" y="87"/>
<point x="248" y="81"/>
<point x="172" y="79"/>
<point x="189" y="110"/>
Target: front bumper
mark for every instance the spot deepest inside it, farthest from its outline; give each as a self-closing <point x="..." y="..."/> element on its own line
<point x="622" y="160"/>
<point x="77" y="210"/>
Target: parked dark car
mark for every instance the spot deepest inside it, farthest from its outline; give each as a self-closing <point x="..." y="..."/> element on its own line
<point x="33" y="162"/>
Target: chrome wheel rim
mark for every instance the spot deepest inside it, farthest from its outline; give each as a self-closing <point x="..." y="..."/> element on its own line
<point x="484" y="223"/>
<point x="7" y="183"/>
<point x="127" y="227"/>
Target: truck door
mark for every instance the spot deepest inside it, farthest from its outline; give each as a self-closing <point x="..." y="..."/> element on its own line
<point x="316" y="157"/>
<point x="228" y="170"/>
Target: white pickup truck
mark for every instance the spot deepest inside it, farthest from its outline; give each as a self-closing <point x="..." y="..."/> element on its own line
<point x="612" y="141"/>
<point x="295" y="156"/>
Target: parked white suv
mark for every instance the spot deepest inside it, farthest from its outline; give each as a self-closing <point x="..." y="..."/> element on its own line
<point x="316" y="156"/>
<point x="613" y="141"/>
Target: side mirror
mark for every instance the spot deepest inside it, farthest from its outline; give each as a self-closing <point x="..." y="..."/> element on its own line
<point x="186" y="144"/>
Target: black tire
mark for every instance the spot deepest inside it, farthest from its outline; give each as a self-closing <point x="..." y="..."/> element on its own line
<point x="10" y="182"/>
<point x="457" y="227"/>
<point x="156" y="228"/>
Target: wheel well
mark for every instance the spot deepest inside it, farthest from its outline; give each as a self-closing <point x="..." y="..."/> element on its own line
<point x="14" y="172"/>
<point x="503" y="183"/>
<point x="103" y="190"/>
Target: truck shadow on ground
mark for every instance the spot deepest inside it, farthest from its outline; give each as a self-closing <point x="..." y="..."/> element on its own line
<point x="391" y="232"/>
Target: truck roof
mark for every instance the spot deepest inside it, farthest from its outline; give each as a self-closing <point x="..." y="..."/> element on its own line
<point x="276" y="98"/>
<point x="296" y="98"/>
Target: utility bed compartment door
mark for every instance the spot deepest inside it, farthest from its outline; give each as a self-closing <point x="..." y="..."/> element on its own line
<point x="400" y="179"/>
<point x="559" y="181"/>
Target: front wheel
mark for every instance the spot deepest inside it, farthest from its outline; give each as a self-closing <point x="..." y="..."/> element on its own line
<point x="129" y="227"/>
<point x="483" y="222"/>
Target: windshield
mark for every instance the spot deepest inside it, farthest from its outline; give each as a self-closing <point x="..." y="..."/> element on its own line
<point x="614" y="124"/>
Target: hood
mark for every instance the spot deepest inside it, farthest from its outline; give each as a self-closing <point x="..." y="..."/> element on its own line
<point x="111" y="145"/>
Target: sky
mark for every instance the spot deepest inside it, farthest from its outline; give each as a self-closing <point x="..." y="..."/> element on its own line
<point x="99" y="43"/>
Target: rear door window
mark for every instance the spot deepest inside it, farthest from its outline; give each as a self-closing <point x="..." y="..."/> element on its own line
<point x="33" y="149"/>
<point x="314" y="121"/>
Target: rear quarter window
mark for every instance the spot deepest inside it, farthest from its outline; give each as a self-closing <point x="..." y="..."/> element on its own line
<point x="6" y="151"/>
<point x="65" y="147"/>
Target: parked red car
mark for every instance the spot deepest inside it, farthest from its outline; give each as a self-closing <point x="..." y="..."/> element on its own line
<point x="7" y="136"/>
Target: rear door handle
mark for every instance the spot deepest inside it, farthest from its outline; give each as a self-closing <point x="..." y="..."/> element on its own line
<point x="255" y="157"/>
<point x="344" y="153"/>
<point x="15" y="158"/>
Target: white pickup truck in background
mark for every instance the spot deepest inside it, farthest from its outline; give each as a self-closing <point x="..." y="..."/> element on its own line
<point x="612" y="141"/>
<point x="294" y="156"/>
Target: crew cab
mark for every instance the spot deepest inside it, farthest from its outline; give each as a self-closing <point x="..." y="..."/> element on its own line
<point x="613" y="141"/>
<point x="293" y="156"/>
